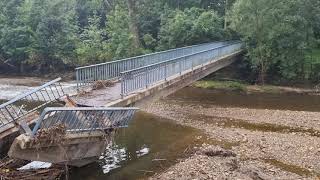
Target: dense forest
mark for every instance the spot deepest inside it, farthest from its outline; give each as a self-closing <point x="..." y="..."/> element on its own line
<point x="39" y="36"/>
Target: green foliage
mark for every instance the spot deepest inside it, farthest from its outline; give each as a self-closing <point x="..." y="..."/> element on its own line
<point x="45" y="35"/>
<point x="149" y="41"/>
<point x="277" y="35"/>
<point x="312" y="65"/>
<point x="225" y="85"/>
<point x="188" y="27"/>
<point x="37" y="32"/>
<point x="15" y="36"/>
<point x="90" y="48"/>
<point x="121" y="41"/>
<point x="54" y="30"/>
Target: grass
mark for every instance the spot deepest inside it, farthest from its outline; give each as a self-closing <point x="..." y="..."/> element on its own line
<point x="269" y="89"/>
<point x="229" y="85"/>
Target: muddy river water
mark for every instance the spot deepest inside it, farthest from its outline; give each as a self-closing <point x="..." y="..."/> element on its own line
<point x="149" y="145"/>
<point x="152" y="143"/>
<point x="279" y="101"/>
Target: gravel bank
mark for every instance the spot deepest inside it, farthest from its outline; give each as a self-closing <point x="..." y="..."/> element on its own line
<point x="272" y="144"/>
<point x="212" y="162"/>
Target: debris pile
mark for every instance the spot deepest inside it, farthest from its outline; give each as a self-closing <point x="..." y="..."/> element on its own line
<point x="219" y="153"/>
<point x="9" y="170"/>
<point x="101" y="84"/>
<point x="54" y="134"/>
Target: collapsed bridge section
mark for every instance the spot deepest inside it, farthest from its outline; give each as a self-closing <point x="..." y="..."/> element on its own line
<point x="75" y="136"/>
<point x="70" y="134"/>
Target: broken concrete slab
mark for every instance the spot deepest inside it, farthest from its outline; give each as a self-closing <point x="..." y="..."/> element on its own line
<point x="74" y="149"/>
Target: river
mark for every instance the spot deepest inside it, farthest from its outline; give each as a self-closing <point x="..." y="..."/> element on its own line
<point x="155" y="142"/>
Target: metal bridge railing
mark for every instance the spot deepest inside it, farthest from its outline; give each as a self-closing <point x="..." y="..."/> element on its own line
<point x="12" y="110"/>
<point x="105" y="71"/>
<point x="84" y="119"/>
<point x="143" y="77"/>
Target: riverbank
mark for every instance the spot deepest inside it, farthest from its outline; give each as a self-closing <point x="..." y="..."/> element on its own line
<point x="230" y="85"/>
<point x="266" y="143"/>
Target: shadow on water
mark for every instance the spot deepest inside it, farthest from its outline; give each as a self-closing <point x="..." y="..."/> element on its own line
<point x="281" y="101"/>
<point x="150" y="144"/>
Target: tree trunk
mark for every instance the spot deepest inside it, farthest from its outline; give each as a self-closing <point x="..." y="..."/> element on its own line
<point x="225" y="14"/>
<point x="133" y="25"/>
<point x="262" y="74"/>
<point x="22" y="68"/>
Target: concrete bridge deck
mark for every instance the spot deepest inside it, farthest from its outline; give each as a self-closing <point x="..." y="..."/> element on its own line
<point x="99" y="97"/>
<point x="115" y="96"/>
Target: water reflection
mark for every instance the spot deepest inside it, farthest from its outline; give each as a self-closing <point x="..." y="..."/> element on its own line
<point x="134" y="150"/>
<point x="114" y="155"/>
<point x="112" y="158"/>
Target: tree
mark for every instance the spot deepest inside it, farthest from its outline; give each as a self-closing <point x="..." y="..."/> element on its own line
<point x="191" y="26"/>
<point x="121" y="40"/>
<point x="276" y="35"/>
<point x="133" y="24"/>
<point x="90" y="48"/>
<point x="55" y="33"/>
<point x="16" y="37"/>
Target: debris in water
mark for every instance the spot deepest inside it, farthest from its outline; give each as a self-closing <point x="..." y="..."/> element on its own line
<point x="143" y="151"/>
<point x="112" y="158"/>
<point x="36" y="165"/>
<point x="11" y="169"/>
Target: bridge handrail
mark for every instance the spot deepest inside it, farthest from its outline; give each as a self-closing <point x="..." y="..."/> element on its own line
<point x="163" y="62"/>
<point x="162" y="74"/>
<point x="144" y="55"/>
<point x="84" y="119"/>
<point x="109" y="70"/>
<point x="47" y="93"/>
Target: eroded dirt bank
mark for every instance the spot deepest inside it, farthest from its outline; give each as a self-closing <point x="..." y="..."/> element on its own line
<point x="257" y="143"/>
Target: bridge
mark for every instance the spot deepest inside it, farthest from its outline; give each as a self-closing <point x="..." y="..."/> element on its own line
<point x="100" y="103"/>
<point x="152" y="76"/>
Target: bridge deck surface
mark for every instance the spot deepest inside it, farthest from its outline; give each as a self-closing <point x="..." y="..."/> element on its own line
<point x="99" y="97"/>
<point x="109" y="95"/>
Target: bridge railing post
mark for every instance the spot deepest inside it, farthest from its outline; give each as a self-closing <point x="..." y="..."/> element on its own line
<point x="147" y="77"/>
<point x="122" y="86"/>
<point x="165" y="71"/>
<point x="180" y="67"/>
<point x="143" y="77"/>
